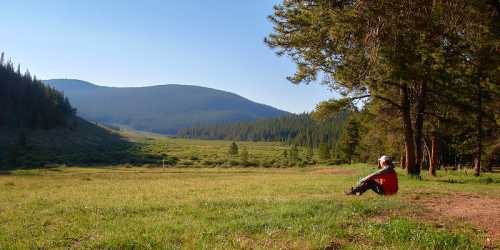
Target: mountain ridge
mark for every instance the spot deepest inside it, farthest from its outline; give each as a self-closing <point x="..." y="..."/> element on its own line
<point x="162" y="108"/>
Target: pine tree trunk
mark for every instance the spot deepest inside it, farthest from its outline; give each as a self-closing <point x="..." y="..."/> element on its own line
<point x="479" y="124"/>
<point x="419" y="126"/>
<point x="434" y="162"/>
<point x="408" y="132"/>
<point x="410" y="153"/>
<point x="403" y="161"/>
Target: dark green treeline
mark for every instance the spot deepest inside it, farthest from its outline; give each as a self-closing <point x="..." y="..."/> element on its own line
<point x="26" y="102"/>
<point x="299" y="130"/>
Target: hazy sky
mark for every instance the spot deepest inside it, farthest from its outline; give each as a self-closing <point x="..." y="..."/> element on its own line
<point x="213" y="43"/>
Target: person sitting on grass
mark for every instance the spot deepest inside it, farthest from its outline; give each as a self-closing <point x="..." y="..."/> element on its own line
<point x="382" y="182"/>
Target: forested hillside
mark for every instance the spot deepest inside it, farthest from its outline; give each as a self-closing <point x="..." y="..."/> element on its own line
<point x="161" y="109"/>
<point x="38" y="126"/>
<point x="300" y="130"/>
<point x="26" y="102"/>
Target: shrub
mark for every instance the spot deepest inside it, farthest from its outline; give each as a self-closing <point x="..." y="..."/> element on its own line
<point x="267" y="164"/>
<point x="194" y="157"/>
<point x="234" y="163"/>
<point x="301" y="164"/>
<point x="186" y="163"/>
<point x="250" y="164"/>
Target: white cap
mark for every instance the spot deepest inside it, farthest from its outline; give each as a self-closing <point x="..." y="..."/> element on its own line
<point x="384" y="158"/>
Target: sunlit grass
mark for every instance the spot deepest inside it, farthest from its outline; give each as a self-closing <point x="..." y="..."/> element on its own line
<point x="223" y="208"/>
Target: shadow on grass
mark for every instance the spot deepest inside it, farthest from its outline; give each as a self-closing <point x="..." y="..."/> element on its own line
<point x="82" y="143"/>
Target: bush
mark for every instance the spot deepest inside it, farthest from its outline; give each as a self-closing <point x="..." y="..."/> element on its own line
<point x="234" y="163"/>
<point x="250" y="164"/>
<point x="194" y="157"/>
<point x="186" y="163"/>
<point x="172" y="161"/>
<point x="267" y="164"/>
<point x="301" y="164"/>
<point x="208" y="163"/>
<point x="310" y="162"/>
<point x="213" y="163"/>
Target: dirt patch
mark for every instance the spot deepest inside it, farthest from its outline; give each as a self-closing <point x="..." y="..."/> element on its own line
<point x="344" y="171"/>
<point x="379" y="218"/>
<point x="481" y="211"/>
<point x="334" y="245"/>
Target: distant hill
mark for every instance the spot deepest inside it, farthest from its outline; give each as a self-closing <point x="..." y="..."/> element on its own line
<point x="38" y="126"/>
<point x="161" y="109"/>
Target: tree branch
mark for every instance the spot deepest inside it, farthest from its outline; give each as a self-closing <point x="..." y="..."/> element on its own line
<point x="389" y="101"/>
<point x="359" y="97"/>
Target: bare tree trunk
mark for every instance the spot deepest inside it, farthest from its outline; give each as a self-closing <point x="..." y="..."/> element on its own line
<point x="434" y="155"/>
<point x="408" y="131"/>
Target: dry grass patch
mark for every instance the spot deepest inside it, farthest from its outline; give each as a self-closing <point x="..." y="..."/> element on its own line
<point x="477" y="209"/>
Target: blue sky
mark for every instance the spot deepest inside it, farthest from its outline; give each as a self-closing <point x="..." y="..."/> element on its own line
<point x="213" y="43"/>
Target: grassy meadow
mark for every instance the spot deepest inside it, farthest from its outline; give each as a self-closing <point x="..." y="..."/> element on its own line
<point x="226" y="208"/>
<point x="205" y="153"/>
<point x="91" y="145"/>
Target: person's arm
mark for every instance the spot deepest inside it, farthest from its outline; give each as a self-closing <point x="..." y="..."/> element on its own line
<point x="380" y="172"/>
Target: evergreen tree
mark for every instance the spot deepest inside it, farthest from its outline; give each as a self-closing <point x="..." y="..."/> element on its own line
<point x="285" y="154"/>
<point x="324" y="151"/>
<point x="244" y="155"/>
<point x="301" y="130"/>
<point x="294" y="154"/>
<point x="350" y="139"/>
<point x="309" y="153"/>
<point x="396" y="53"/>
<point x="25" y="102"/>
<point x="233" y="149"/>
<point x="22" y="140"/>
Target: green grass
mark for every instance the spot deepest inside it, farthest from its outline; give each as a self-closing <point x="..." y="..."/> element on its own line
<point x="206" y="153"/>
<point x="221" y="208"/>
<point x="92" y="145"/>
<point x="207" y="200"/>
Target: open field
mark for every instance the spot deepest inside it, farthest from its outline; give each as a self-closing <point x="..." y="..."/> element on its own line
<point x="230" y="208"/>
<point x="103" y="146"/>
<point x="211" y="153"/>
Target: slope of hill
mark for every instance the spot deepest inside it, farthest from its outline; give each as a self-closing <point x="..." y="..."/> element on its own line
<point x="160" y="109"/>
<point x="38" y="126"/>
<point x="81" y="142"/>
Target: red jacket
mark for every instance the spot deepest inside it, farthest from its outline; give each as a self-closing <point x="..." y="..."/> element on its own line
<point x="387" y="178"/>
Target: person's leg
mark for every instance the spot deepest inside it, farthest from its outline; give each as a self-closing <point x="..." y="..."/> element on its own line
<point x="369" y="184"/>
<point x="360" y="188"/>
<point x="375" y="186"/>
